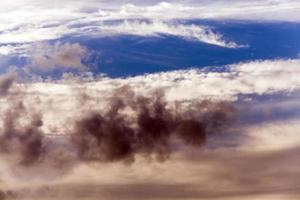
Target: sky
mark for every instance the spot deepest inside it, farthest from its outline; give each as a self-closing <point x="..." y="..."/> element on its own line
<point x="149" y="99"/>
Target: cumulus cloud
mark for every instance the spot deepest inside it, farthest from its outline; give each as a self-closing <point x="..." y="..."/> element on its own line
<point x="6" y="81"/>
<point x="242" y="158"/>
<point x="230" y="134"/>
<point x="45" y="57"/>
<point x="256" y="77"/>
<point x="129" y="124"/>
<point x="238" y="82"/>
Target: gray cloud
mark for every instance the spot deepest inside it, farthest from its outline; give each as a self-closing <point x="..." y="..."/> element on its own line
<point x="6" y="82"/>
<point x="131" y="125"/>
<point x="59" y="56"/>
<point x="225" y="173"/>
<point x="77" y="131"/>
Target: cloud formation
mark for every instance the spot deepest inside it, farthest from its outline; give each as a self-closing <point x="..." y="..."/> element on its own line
<point x="131" y="124"/>
<point x="46" y="57"/>
<point x="47" y="21"/>
<point x="6" y="81"/>
<point x="104" y="28"/>
<point x="226" y="133"/>
<point x="256" y="77"/>
<point x="75" y="124"/>
<point x="157" y="28"/>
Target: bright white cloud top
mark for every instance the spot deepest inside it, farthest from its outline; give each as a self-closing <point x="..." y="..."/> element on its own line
<point x="22" y="22"/>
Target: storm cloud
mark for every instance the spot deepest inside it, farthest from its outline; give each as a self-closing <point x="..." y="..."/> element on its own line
<point x="132" y="124"/>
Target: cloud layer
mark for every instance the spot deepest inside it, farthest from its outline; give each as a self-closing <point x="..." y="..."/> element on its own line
<point x="219" y="133"/>
<point x="261" y="139"/>
<point x="30" y="22"/>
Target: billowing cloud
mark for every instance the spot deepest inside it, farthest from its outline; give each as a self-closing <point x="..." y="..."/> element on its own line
<point x="230" y="133"/>
<point x="59" y="56"/>
<point x="256" y="77"/>
<point x="81" y="129"/>
<point x="238" y="82"/>
<point x="6" y="81"/>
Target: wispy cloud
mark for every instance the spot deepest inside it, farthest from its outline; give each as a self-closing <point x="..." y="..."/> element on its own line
<point x="7" y="50"/>
<point x="21" y="23"/>
<point x="257" y="77"/>
<point x="37" y="33"/>
<point x="156" y="28"/>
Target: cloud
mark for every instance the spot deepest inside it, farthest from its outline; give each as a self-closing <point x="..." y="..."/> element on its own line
<point x="240" y="82"/>
<point x="24" y="23"/>
<point x="6" y="81"/>
<point x="156" y="28"/>
<point x="37" y="32"/>
<point x="7" y="50"/>
<point x="226" y="174"/>
<point x="59" y="56"/>
<point x="236" y="9"/>
<point x="130" y="124"/>
<point x="76" y="130"/>
<point x="220" y="9"/>
<point x="256" y="160"/>
<point x="256" y="77"/>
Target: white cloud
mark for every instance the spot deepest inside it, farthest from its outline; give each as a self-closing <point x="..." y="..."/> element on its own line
<point x="238" y="9"/>
<point x="37" y="32"/>
<point x="257" y="77"/>
<point x="273" y="136"/>
<point x="35" y="21"/>
<point x="155" y="28"/>
<point x="254" y="78"/>
<point x="13" y="49"/>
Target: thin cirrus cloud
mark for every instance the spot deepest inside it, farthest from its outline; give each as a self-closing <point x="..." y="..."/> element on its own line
<point x="21" y="49"/>
<point x="131" y="27"/>
<point x="156" y="28"/>
<point x="33" y="21"/>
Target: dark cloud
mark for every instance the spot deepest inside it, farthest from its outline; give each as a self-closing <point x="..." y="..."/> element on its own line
<point x="151" y="129"/>
<point x="2" y="195"/>
<point x="132" y="124"/>
<point x="25" y="140"/>
<point x="6" y="81"/>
